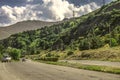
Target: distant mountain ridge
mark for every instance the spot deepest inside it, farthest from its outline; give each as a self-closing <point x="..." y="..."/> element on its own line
<point x="23" y="26"/>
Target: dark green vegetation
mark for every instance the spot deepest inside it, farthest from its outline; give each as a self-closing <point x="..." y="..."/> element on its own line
<point x="15" y="53"/>
<point x="91" y="31"/>
<point x="87" y="67"/>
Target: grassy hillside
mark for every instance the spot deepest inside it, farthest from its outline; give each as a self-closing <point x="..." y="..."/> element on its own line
<point x="91" y="31"/>
<point x="22" y="26"/>
<point x="105" y="54"/>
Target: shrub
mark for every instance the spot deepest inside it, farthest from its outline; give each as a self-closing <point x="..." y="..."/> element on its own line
<point x="14" y="53"/>
<point x="113" y="42"/>
<point x="0" y="56"/>
<point x="69" y="53"/>
<point x="85" y="55"/>
<point x="54" y="59"/>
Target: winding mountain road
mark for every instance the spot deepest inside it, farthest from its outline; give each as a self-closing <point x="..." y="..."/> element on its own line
<point x="39" y="71"/>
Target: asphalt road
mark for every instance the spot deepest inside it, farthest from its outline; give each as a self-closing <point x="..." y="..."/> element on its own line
<point x="38" y="71"/>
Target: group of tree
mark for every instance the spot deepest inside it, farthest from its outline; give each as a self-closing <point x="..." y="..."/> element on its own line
<point x="90" y="31"/>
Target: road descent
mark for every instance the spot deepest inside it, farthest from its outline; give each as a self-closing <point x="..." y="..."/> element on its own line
<point x="38" y="71"/>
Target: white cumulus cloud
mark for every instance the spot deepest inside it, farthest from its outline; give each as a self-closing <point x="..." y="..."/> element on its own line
<point x="49" y="10"/>
<point x="30" y="0"/>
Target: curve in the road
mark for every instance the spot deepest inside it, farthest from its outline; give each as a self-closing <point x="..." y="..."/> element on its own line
<point x="39" y="71"/>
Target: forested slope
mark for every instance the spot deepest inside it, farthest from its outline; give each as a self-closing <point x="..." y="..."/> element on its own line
<point x="91" y="31"/>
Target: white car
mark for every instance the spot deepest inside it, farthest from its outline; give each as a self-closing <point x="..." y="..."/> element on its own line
<point x="6" y="59"/>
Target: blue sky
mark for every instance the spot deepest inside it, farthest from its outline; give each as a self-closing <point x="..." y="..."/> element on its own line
<point x="24" y="2"/>
<point x="12" y="11"/>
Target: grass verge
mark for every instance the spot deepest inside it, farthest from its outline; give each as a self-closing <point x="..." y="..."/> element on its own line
<point x="86" y="67"/>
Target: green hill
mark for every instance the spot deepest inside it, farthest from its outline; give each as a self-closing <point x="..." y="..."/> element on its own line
<point x="6" y="31"/>
<point x="91" y="31"/>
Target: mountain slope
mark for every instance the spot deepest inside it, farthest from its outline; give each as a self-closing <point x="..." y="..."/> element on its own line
<point x="22" y="26"/>
<point x="91" y="31"/>
<point x="99" y="28"/>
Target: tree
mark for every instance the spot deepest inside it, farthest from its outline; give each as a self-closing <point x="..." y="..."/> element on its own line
<point x="84" y="44"/>
<point x="113" y="42"/>
<point x="14" y="53"/>
<point x="1" y="49"/>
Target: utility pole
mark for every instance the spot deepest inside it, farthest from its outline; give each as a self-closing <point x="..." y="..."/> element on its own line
<point x="73" y="14"/>
<point x="73" y="9"/>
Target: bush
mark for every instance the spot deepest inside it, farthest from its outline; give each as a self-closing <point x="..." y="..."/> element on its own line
<point x="54" y="59"/>
<point x="84" y="44"/>
<point x="70" y="53"/>
<point x="0" y="56"/>
<point x="86" y="55"/>
<point x="14" y="53"/>
<point x="113" y="42"/>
